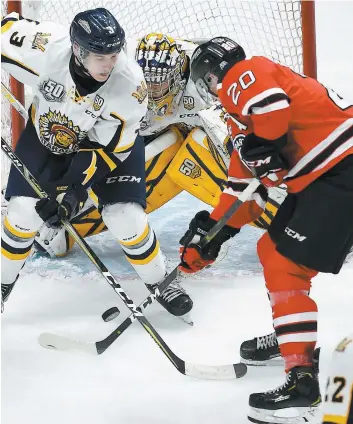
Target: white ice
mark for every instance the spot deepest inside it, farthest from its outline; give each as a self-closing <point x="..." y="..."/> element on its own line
<point x="132" y="382"/>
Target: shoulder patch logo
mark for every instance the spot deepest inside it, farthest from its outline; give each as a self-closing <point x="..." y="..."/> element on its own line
<point x="52" y="91"/>
<point x="141" y="92"/>
<point x="40" y="40"/>
<point x="189" y="102"/>
<point x="98" y="103"/>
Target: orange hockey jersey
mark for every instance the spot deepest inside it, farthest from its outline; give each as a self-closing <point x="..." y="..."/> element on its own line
<point x="271" y="100"/>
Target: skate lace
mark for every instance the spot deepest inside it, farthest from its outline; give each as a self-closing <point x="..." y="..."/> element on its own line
<point x="266" y="341"/>
<point x="172" y="291"/>
<point x="282" y="386"/>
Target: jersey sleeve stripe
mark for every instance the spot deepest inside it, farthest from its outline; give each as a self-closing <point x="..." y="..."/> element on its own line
<point x="339" y="141"/>
<point x="124" y="149"/>
<point x="259" y="196"/>
<point x="7" y="59"/>
<point x="283" y="104"/>
<point x="267" y="97"/>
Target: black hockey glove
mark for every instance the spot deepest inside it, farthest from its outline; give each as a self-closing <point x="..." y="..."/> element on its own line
<point x="53" y="212"/>
<point x="264" y="159"/>
<point x="192" y="257"/>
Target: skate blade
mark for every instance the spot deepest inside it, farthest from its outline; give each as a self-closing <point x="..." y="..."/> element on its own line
<point x="295" y="415"/>
<point x="187" y="319"/>
<point x="273" y="362"/>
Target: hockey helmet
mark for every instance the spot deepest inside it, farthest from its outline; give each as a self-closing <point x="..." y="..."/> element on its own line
<point x="97" y="31"/>
<point x="211" y="61"/>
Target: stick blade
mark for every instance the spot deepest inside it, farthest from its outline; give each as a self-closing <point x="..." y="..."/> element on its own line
<point x="214" y="372"/>
<point x="56" y="342"/>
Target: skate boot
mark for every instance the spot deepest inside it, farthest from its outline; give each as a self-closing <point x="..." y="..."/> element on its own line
<point x="174" y="299"/>
<point x="261" y="351"/>
<point x="294" y="402"/>
<point x="6" y="290"/>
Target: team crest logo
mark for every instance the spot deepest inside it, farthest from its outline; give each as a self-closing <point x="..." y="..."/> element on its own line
<point x="59" y="134"/>
<point x="189" y="102"/>
<point x="40" y="40"/>
<point x="98" y="103"/>
<point x="141" y="92"/>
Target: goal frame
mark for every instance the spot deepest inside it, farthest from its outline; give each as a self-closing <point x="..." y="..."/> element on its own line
<point x="308" y="44"/>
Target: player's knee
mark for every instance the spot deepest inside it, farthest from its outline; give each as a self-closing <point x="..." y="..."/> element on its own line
<point x="125" y="220"/>
<point x="282" y="274"/>
<point x="22" y="216"/>
<point x="265" y="247"/>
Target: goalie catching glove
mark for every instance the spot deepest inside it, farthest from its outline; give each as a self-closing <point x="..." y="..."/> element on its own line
<point x="264" y="159"/>
<point x="193" y="258"/>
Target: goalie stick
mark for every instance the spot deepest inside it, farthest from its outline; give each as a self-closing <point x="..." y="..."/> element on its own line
<point x="194" y="370"/>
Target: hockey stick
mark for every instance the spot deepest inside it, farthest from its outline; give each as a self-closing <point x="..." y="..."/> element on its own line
<point x="201" y="371"/>
<point x="99" y="347"/>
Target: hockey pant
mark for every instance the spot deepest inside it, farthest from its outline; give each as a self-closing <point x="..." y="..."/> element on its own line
<point x="172" y="165"/>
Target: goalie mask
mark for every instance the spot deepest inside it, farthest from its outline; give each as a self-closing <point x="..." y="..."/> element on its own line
<point x="163" y="64"/>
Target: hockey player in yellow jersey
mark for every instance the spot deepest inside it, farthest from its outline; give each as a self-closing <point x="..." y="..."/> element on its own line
<point x="186" y="141"/>
<point x="338" y="399"/>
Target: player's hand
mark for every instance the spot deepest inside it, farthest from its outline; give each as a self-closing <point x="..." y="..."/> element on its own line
<point x="192" y="257"/>
<point x="53" y="212"/>
<point x="264" y="161"/>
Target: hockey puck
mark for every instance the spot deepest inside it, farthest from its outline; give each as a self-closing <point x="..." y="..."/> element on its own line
<point x="110" y="314"/>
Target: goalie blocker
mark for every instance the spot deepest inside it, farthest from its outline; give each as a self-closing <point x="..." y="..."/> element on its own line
<point x="173" y="164"/>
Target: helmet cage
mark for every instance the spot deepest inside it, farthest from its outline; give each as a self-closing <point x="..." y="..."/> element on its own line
<point x="162" y="62"/>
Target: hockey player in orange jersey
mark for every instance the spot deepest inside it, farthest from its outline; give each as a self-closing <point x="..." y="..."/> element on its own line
<point x="286" y="128"/>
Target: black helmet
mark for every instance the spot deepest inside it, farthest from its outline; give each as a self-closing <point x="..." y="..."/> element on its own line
<point x="97" y="31"/>
<point x="214" y="58"/>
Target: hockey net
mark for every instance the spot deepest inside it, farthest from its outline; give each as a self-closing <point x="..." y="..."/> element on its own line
<point x="283" y="31"/>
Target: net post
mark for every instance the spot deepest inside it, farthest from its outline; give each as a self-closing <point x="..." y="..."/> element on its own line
<point x="309" y="38"/>
<point x="17" y="122"/>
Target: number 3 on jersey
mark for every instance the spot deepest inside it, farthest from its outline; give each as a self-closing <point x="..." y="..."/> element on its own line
<point x="246" y="79"/>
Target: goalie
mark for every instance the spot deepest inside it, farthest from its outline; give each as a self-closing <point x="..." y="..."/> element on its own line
<point x="186" y="142"/>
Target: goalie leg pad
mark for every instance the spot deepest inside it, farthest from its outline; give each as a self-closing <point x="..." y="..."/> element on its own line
<point x="128" y="223"/>
<point x="18" y="231"/>
<point x="58" y="243"/>
<point x="199" y="169"/>
<point x="160" y="188"/>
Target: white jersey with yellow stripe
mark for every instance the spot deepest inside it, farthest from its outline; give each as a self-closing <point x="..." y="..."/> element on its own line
<point x="39" y="55"/>
<point x="338" y="400"/>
